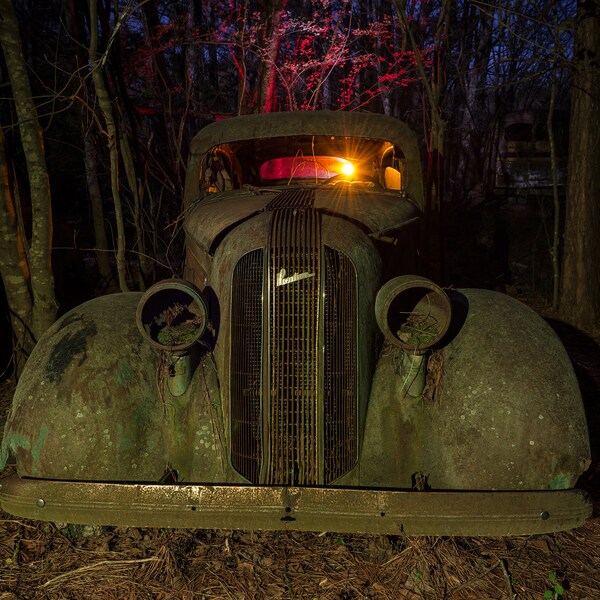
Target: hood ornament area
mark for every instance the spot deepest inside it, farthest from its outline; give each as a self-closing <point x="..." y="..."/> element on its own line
<point x="283" y="280"/>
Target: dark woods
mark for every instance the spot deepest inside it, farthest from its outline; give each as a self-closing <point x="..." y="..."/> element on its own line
<point x="101" y="99"/>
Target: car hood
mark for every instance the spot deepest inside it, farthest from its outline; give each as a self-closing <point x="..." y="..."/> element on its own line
<point x="376" y="212"/>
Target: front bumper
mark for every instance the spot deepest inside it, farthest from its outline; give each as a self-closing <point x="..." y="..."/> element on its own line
<point x="307" y="509"/>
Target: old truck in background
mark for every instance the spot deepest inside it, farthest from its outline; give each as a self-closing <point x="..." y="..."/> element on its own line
<point x="301" y="373"/>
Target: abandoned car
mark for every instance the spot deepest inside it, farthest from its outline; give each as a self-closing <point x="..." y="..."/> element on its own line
<point x="301" y="374"/>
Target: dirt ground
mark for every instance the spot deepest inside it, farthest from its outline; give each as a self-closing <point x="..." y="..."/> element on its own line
<point x="45" y="560"/>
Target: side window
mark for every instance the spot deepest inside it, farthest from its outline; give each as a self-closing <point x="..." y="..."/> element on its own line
<point x="219" y="172"/>
<point x="217" y="175"/>
<point x="392" y="165"/>
<point x="392" y="178"/>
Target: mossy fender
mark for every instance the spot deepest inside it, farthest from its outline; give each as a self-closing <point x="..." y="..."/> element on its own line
<point x="509" y="415"/>
<point x="86" y="406"/>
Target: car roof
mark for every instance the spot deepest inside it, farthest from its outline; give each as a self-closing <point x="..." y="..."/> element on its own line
<point x="323" y="123"/>
<point x="281" y="124"/>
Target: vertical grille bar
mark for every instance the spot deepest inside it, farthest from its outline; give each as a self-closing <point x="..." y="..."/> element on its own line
<point x="294" y="299"/>
<point x="246" y="365"/>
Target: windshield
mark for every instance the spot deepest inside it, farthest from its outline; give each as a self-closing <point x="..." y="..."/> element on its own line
<point x="302" y="160"/>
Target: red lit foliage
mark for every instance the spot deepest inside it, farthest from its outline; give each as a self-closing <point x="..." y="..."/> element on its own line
<point x="318" y="53"/>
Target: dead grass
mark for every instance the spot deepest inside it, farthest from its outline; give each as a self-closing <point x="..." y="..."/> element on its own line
<point x="41" y="560"/>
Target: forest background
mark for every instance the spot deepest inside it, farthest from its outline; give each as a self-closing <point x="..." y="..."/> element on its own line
<point x="100" y="100"/>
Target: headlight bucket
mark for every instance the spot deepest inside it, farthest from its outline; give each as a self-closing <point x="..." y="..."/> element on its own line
<point x="412" y="312"/>
<point x="172" y="315"/>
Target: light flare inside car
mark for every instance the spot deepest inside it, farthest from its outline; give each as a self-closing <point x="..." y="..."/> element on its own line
<point x="301" y="167"/>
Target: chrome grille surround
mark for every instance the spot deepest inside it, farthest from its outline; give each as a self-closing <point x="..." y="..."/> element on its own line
<point x="294" y="353"/>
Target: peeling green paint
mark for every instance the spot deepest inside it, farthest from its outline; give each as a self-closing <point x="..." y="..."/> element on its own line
<point x="36" y="448"/>
<point x="561" y="482"/>
<point x="11" y="441"/>
<point x="69" y="346"/>
<point x="123" y="373"/>
<point x="18" y="440"/>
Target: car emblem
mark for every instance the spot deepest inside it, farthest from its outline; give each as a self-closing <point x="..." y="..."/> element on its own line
<point x="283" y="280"/>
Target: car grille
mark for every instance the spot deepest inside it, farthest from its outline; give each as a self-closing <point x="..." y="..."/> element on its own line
<point x="339" y="372"/>
<point x="246" y="355"/>
<point x="294" y="342"/>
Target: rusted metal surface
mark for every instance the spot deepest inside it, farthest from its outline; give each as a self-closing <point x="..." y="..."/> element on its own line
<point x="378" y="212"/>
<point x="358" y="249"/>
<point x="86" y="405"/>
<point x="94" y="403"/>
<point x="294" y="401"/>
<point x="308" y="509"/>
<point x="510" y="415"/>
<point x="412" y="312"/>
<point x="172" y="315"/>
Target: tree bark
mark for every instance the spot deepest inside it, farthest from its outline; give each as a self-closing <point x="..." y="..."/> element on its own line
<point x="137" y="193"/>
<point x="42" y="281"/>
<point x="268" y="80"/>
<point x="434" y="169"/>
<point x="554" y="172"/>
<point x="93" y="186"/>
<point x="580" y="291"/>
<point x="113" y="145"/>
<point x="14" y="270"/>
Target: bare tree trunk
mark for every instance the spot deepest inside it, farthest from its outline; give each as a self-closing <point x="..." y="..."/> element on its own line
<point x="42" y="281"/>
<point x="137" y="193"/>
<point x="14" y="270"/>
<point x="239" y="58"/>
<point x="477" y="33"/>
<point x="434" y="170"/>
<point x="113" y="144"/>
<point x="554" y="174"/>
<point x="268" y="88"/>
<point x="330" y="58"/>
<point x="580" y="293"/>
<point x="93" y="186"/>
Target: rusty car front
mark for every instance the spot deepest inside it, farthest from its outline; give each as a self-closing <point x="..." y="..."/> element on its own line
<point x="302" y="373"/>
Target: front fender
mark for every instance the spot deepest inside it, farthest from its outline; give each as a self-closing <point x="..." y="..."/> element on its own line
<point x="510" y="413"/>
<point x="86" y="406"/>
<point x="502" y="409"/>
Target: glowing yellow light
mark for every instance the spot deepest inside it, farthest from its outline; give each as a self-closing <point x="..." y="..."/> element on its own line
<point x="347" y="168"/>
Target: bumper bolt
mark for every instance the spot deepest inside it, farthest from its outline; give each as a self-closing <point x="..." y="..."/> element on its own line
<point x="40" y="502"/>
<point x="544" y="515"/>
